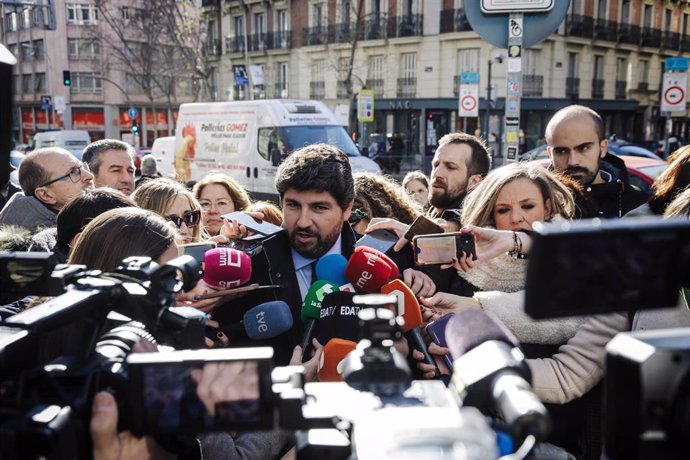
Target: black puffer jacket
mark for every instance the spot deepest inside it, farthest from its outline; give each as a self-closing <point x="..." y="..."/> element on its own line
<point x="615" y="197"/>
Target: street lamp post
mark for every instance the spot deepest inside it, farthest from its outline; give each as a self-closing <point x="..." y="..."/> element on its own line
<point x="498" y="59"/>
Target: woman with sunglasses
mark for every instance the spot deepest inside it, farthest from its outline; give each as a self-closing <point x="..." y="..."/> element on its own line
<point x="176" y="203"/>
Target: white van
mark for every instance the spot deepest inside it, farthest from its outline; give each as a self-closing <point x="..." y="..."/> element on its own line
<point x="73" y="140"/>
<point x="164" y="151"/>
<point x="247" y="140"/>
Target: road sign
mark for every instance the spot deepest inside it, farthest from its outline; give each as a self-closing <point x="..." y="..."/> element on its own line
<point x="516" y="6"/>
<point x="365" y="105"/>
<point x="469" y="77"/>
<point x="468" y="105"/>
<point x="674" y="92"/>
<point x="133" y="112"/>
<point x="680" y="64"/>
<point x="60" y="105"/>
<point x="46" y="102"/>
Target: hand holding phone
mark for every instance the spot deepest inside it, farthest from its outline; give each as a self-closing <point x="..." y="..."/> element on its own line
<point x="381" y="240"/>
<point x="253" y="224"/>
<point x="422" y="226"/>
<point x="441" y="248"/>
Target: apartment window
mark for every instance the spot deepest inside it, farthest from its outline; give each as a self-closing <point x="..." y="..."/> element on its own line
<point x="25" y="20"/>
<point x="409" y="65"/>
<point x="599" y="67"/>
<point x="621" y="69"/>
<point x="82" y="14"/>
<point x="282" y="80"/>
<point x="282" y="20"/>
<point x="11" y="22"/>
<point x="85" y="82"/>
<point x="647" y="16"/>
<point x="40" y="82"/>
<point x="345" y="10"/>
<point x="409" y="7"/>
<point x="39" y="50"/>
<point x="376" y="67"/>
<point x="259" y="24"/>
<point x="668" y="18"/>
<point x="625" y="12"/>
<point x="27" y="51"/>
<point x="81" y="48"/>
<point x="375" y="8"/>
<point x="27" y="83"/>
<point x="468" y="60"/>
<point x="576" y="7"/>
<point x="685" y="25"/>
<point x="572" y="65"/>
<point x="642" y="70"/>
<point x="317" y="15"/>
<point x="529" y="62"/>
<point x="603" y="9"/>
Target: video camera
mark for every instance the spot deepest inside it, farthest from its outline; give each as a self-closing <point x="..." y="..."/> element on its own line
<point x="56" y="355"/>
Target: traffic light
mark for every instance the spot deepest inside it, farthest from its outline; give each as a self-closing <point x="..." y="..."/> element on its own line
<point x="67" y="78"/>
<point x="135" y="128"/>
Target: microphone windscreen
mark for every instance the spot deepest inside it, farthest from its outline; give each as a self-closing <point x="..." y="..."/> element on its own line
<point x="470" y="328"/>
<point x="334" y="353"/>
<point x="408" y="305"/>
<point x="394" y="267"/>
<point x="331" y="268"/>
<point x="338" y="318"/>
<point x="267" y="320"/>
<point x="226" y="268"/>
<point x="311" y="308"/>
<point x="367" y="272"/>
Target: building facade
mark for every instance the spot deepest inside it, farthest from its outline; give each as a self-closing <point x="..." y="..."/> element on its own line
<point x="101" y="94"/>
<point x="606" y="54"/>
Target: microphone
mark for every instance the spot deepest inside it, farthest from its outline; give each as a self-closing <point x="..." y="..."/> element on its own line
<point x="226" y="268"/>
<point x="267" y="320"/>
<point x="311" y="310"/>
<point x="437" y="332"/>
<point x="338" y="318"/>
<point x="368" y="271"/>
<point x="490" y="371"/>
<point x="331" y="268"/>
<point x="334" y="353"/>
<point x="408" y="308"/>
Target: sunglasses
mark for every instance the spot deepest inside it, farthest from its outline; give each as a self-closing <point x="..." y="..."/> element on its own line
<point x="189" y="218"/>
<point x="74" y="174"/>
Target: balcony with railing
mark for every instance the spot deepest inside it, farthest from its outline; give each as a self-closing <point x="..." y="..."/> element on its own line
<point x="643" y="86"/>
<point x="629" y="33"/>
<point x="213" y="47"/>
<point x="621" y="89"/>
<point x="650" y="37"/>
<point x="532" y="85"/>
<point x="408" y="25"/>
<point x="572" y="88"/>
<point x="314" y="36"/>
<point x="670" y="40"/>
<point x="281" y="40"/>
<point x="375" y="27"/>
<point x="605" y="30"/>
<point x="597" y="88"/>
<point x="257" y="42"/>
<point x="577" y="25"/>
<point x="317" y="90"/>
<point x="375" y="84"/>
<point x="454" y="21"/>
<point x="234" y="44"/>
<point x="407" y="87"/>
<point x="685" y="43"/>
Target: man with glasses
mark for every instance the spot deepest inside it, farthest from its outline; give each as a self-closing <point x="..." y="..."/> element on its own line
<point x="49" y="178"/>
<point x="112" y="164"/>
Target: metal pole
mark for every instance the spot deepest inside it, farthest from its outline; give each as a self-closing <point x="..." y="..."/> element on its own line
<point x="668" y="129"/>
<point x="488" y="104"/>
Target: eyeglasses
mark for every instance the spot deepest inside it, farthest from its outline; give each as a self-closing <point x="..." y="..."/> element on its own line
<point x="189" y="218"/>
<point x="74" y="174"/>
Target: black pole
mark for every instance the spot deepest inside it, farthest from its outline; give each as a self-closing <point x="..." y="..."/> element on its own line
<point x="488" y="104"/>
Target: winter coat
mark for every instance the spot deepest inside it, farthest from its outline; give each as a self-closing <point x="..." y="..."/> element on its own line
<point x="28" y="212"/>
<point x="616" y="196"/>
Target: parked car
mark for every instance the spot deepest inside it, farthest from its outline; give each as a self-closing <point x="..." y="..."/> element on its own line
<point x="615" y="147"/>
<point x="642" y="172"/>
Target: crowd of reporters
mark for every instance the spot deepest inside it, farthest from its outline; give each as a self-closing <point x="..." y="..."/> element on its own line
<point x="92" y="213"/>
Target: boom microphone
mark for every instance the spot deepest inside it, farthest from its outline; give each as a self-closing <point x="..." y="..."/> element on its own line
<point x="408" y="308"/>
<point x="490" y="372"/>
<point x="334" y="353"/>
<point x="226" y="268"/>
<point x="331" y="268"/>
<point x="267" y="320"/>
<point x="369" y="269"/>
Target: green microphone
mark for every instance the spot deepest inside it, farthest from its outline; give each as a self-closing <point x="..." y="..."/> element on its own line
<point x="311" y="310"/>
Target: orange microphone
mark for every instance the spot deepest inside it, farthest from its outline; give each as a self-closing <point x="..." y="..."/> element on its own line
<point x="334" y="353"/>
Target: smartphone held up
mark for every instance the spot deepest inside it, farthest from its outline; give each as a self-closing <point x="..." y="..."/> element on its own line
<point x="442" y="248"/>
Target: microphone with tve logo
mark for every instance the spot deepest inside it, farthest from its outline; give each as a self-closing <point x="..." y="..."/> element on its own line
<point x="267" y="320"/>
<point x="226" y="268"/>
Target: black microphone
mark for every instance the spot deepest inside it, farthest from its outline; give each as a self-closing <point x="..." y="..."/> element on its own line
<point x="490" y="372"/>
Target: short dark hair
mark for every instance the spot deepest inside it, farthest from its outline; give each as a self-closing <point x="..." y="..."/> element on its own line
<point x="319" y="167"/>
<point x="31" y="174"/>
<point x="574" y="111"/>
<point x="83" y="208"/>
<point x="92" y="152"/>
<point x="480" y="161"/>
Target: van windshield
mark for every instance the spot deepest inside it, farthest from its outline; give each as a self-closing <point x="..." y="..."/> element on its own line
<point x="297" y="137"/>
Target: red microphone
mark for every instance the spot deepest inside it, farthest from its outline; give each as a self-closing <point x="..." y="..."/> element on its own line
<point x="334" y="353"/>
<point x="226" y="268"/>
<point x="368" y="271"/>
<point x="395" y="273"/>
